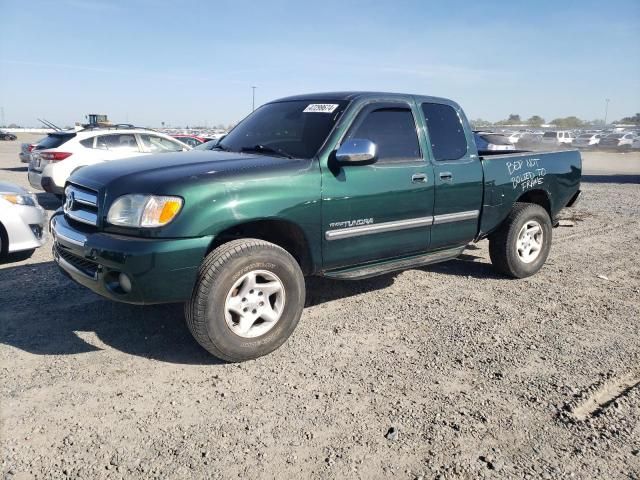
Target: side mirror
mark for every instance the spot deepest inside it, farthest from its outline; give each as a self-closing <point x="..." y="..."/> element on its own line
<point x="357" y="150"/>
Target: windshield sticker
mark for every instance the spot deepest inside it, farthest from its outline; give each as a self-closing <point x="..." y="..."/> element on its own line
<point x="320" y="108"/>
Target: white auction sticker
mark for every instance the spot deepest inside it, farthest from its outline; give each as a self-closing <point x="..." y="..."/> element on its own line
<point x="320" y="108"/>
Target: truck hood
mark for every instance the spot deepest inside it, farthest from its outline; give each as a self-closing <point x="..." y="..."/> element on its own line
<point x="151" y="173"/>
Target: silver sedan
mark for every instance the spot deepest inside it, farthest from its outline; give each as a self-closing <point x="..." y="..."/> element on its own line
<point x="22" y="220"/>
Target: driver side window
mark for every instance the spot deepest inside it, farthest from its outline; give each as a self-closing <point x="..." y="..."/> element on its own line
<point x="393" y="130"/>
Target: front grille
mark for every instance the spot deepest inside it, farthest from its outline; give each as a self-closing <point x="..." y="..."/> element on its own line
<point x="87" y="267"/>
<point x="81" y="204"/>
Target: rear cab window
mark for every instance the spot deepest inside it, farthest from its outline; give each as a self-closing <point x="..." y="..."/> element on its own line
<point x="446" y="132"/>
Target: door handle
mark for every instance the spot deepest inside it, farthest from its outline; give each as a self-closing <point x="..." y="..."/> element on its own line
<point x="446" y="176"/>
<point x="419" y="178"/>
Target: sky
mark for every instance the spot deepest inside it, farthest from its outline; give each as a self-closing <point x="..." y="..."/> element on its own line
<point x="194" y="62"/>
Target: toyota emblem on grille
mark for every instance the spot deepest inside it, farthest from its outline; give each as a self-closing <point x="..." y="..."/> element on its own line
<point x="68" y="203"/>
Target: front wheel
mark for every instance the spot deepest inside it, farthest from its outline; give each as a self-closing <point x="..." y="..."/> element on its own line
<point x="522" y="244"/>
<point x="247" y="300"/>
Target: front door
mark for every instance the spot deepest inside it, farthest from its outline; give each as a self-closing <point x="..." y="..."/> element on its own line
<point x="380" y="210"/>
<point x="458" y="176"/>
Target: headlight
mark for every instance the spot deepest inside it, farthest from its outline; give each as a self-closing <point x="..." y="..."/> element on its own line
<point x="28" y="200"/>
<point x="143" y="210"/>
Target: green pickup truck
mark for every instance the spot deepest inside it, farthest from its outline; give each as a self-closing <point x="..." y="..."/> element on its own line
<point x="344" y="185"/>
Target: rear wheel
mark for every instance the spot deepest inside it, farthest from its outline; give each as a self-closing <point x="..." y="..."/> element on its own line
<point x="522" y="244"/>
<point x="247" y="300"/>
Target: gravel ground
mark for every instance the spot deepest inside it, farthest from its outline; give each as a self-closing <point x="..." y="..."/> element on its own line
<point x="448" y="371"/>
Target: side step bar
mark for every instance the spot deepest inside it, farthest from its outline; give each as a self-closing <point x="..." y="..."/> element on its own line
<point x="372" y="270"/>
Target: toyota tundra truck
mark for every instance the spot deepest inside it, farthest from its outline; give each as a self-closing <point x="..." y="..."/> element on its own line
<point x="342" y="185"/>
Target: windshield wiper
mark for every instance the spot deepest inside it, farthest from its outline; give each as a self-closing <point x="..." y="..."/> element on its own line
<point x="265" y="149"/>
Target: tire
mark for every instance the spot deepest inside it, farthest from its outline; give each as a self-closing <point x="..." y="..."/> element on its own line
<point x="508" y="245"/>
<point x="219" y="328"/>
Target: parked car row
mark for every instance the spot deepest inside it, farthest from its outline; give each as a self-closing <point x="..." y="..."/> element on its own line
<point x="619" y="141"/>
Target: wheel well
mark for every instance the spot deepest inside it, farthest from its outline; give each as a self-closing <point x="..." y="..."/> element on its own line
<point x="539" y="197"/>
<point x="285" y="234"/>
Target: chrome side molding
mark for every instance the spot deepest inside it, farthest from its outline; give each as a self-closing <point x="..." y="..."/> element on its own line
<point x="377" y="228"/>
<point x="400" y="225"/>
<point x="456" y="217"/>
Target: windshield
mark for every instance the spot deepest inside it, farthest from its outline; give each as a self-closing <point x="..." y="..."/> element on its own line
<point x="296" y="128"/>
<point x="549" y="134"/>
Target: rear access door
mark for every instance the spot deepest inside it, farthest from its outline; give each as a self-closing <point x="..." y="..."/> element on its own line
<point x="380" y="210"/>
<point x="458" y="174"/>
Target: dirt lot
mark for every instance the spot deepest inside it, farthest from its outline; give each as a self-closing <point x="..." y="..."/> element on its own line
<point x="480" y="376"/>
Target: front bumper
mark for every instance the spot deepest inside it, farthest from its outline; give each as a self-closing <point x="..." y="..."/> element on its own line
<point x="25" y="227"/>
<point x="160" y="270"/>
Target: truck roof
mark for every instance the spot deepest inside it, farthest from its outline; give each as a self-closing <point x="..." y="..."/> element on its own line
<point x="349" y="96"/>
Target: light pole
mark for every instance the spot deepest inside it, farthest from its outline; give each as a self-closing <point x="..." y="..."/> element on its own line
<point x="606" y="110"/>
<point x="253" y="98"/>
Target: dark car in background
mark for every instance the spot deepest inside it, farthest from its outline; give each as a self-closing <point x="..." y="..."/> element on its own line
<point x="492" y="142"/>
<point x="7" y="136"/>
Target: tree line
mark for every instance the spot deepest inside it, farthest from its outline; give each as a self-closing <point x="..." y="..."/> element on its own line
<point x="563" y="122"/>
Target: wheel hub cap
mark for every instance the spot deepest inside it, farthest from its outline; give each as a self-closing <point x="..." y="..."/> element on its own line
<point x="529" y="243"/>
<point x="254" y="304"/>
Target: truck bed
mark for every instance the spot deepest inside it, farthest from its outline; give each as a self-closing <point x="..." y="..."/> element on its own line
<point x="553" y="177"/>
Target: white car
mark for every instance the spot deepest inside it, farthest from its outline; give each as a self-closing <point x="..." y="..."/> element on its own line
<point x="22" y="220"/>
<point x="587" y="140"/>
<point x="62" y="153"/>
<point x="558" y="137"/>
<point x="515" y="137"/>
<point x="635" y="145"/>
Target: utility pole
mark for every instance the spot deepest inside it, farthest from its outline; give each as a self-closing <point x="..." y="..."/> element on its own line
<point x="606" y="110"/>
<point x="2" y="117"/>
<point x="253" y="98"/>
